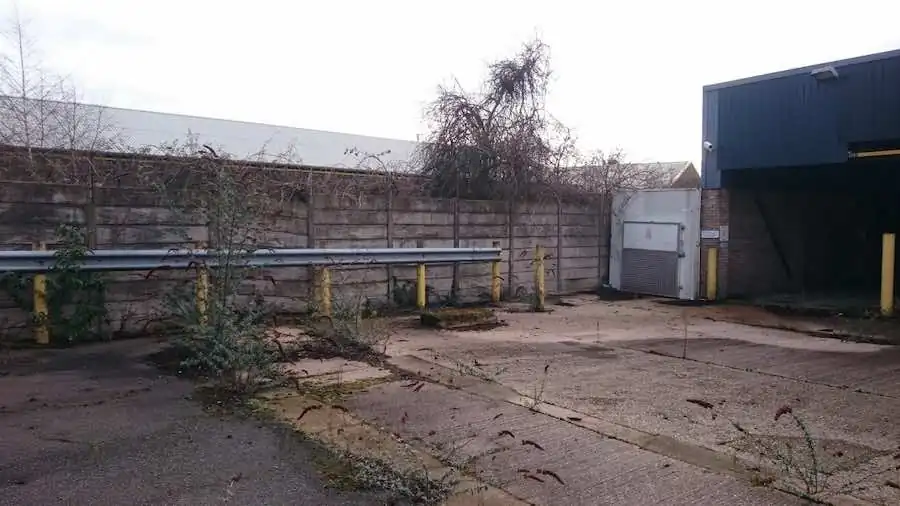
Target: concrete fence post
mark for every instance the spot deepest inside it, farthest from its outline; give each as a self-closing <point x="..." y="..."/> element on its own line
<point x="324" y="289"/>
<point x="539" y="287"/>
<point x="496" y="278"/>
<point x="559" y="247"/>
<point x="202" y="289"/>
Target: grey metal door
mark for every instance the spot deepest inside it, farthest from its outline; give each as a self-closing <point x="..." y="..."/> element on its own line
<point x="651" y="254"/>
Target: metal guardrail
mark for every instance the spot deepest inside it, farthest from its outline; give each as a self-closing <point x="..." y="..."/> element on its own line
<point x="147" y="259"/>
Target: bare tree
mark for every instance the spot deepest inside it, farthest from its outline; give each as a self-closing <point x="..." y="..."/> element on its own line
<point x="498" y="142"/>
<point x="608" y="173"/>
<point x="40" y="109"/>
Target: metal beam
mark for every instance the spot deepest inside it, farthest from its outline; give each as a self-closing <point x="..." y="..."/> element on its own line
<point x="874" y="154"/>
<point x="134" y="260"/>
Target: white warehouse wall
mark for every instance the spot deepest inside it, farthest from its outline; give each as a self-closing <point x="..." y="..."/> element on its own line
<point x="135" y="130"/>
<point x="316" y="148"/>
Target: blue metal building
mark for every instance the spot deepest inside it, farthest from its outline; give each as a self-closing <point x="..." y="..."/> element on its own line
<point x="801" y="177"/>
<point x="810" y="116"/>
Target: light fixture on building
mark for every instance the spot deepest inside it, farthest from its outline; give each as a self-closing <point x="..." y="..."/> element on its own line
<point x="825" y="73"/>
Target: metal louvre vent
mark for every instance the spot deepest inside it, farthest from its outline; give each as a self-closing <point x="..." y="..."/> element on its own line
<point x="650" y="272"/>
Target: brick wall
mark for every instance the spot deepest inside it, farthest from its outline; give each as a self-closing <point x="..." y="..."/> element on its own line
<point x="761" y="246"/>
<point x="786" y="241"/>
<point x="714" y="215"/>
<point x="766" y="247"/>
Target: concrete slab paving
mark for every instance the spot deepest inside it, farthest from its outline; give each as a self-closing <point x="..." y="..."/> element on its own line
<point x="869" y="368"/>
<point x="544" y="460"/>
<point x="617" y="365"/>
<point x="622" y="362"/>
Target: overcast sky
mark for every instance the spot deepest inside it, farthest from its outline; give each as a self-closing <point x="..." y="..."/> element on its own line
<point x="627" y="74"/>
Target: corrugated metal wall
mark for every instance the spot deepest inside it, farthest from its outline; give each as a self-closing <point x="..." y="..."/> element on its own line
<point x="870" y="101"/>
<point x="795" y="120"/>
<point x="783" y="122"/>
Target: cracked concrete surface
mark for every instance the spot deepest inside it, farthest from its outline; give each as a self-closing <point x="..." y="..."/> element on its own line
<point x="544" y="460"/>
<point x="622" y="362"/>
<point x="95" y="425"/>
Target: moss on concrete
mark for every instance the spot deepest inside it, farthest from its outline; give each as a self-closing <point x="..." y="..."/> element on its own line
<point x="459" y="318"/>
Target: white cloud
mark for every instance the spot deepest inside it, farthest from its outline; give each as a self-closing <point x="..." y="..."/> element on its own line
<point x="627" y="74"/>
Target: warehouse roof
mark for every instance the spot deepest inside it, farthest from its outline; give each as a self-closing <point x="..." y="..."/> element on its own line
<point x="805" y="70"/>
<point x="675" y="174"/>
<point x="135" y="130"/>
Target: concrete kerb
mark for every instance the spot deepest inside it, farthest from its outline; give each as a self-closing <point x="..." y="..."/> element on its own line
<point x="336" y="427"/>
<point x="662" y="445"/>
<point x="738" y="465"/>
<point x="856" y="337"/>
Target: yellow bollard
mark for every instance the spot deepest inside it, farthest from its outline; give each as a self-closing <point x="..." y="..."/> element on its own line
<point x="888" y="244"/>
<point x="495" y="278"/>
<point x="539" y="288"/>
<point x="202" y="288"/>
<point x="41" y="332"/>
<point x="325" y="291"/>
<point x="712" y="271"/>
<point x="421" y="299"/>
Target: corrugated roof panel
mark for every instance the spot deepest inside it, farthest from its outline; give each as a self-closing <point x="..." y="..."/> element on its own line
<point x="137" y="129"/>
<point x="794" y="119"/>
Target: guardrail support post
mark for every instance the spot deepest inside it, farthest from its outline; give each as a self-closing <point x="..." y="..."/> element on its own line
<point x="202" y="288"/>
<point x="496" y="279"/>
<point x="421" y="293"/>
<point x="324" y="282"/>
<point x="421" y="296"/>
<point x="41" y="332"/>
<point x="539" y="288"/>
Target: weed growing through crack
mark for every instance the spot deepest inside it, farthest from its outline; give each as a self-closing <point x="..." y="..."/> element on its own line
<point x="347" y="471"/>
<point x="476" y="369"/>
<point x="338" y="391"/>
<point x="800" y="464"/>
<point x="536" y="396"/>
<point x="350" y="471"/>
<point x="794" y="464"/>
<point x="349" y="332"/>
<point x="341" y="461"/>
<point x="349" y="464"/>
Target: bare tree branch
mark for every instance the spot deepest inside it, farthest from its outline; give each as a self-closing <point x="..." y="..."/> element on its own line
<point x="607" y="173"/>
<point x="41" y="110"/>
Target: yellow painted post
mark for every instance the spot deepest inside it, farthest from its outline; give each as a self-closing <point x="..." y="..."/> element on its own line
<point x="325" y="291"/>
<point x="539" y="288"/>
<point x="421" y="292"/>
<point x="495" y="278"/>
<point x="41" y="332"/>
<point x="888" y="244"/>
<point x="202" y="288"/>
<point x="421" y="299"/>
<point x="712" y="271"/>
